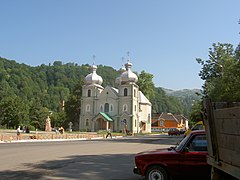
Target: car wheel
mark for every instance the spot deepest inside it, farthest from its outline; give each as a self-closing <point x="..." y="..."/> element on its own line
<point x="156" y="173"/>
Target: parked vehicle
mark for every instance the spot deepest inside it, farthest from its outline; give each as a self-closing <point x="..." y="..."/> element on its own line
<point x="222" y="121"/>
<point x="173" y="131"/>
<point x="198" y="126"/>
<point x="187" y="160"/>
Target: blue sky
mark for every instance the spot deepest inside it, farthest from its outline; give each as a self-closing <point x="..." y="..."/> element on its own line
<point x="163" y="37"/>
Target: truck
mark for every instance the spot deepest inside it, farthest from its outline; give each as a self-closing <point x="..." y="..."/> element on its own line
<point x="222" y="125"/>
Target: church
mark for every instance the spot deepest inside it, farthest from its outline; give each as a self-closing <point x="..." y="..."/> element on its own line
<point x="122" y="109"/>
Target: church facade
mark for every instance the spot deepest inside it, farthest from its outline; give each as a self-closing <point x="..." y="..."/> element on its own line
<point x="123" y="109"/>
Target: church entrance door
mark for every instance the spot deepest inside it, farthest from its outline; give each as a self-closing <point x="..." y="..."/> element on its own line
<point x="101" y="124"/>
<point x="143" y="128"/>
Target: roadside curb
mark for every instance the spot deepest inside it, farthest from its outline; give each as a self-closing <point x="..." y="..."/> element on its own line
<point x="57" y="140"/>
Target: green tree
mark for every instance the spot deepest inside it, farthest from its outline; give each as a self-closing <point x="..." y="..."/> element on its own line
<point x="221" y="73"/>
<point x="109" y="75"/>
<point x="13" y="111"/>
<point x="146" y="84"/>
<point x="38" y="115"/>
<point x="73" y="105"/>
<point x="58" y="119"/>
<point x="197" y="112"/>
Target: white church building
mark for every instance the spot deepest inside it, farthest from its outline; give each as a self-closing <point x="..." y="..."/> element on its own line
<point x="123" y="109"/>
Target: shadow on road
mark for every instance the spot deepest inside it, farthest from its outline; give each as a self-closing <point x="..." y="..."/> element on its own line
<point x="100" y="167"/>
<point x="156" y="139"/>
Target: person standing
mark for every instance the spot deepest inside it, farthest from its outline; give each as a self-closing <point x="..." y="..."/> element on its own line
<point x="109" y="133"/>
<point x="18" y="133"/>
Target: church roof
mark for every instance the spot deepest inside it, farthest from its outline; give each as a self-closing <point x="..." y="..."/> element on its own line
<point x="143" y="99"/>
<point x="109" y="91"/>
<point x="103" y="115"/>
<point x="115" y="90"/>
<point x="106" y="116"/>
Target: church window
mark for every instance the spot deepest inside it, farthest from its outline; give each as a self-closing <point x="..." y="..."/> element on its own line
<point x="125" y="107"/>
<point x="125" y="91"/>
<point x="87" y="122"/>
<point x="135" y="108"/>
<point x="89" y="93"/>
<point x="87" y="108"/>
<point x="106" y="107"/>
<point x="101" y="108"/>
<point x="134" y="92"/>
<point x="111" y="108"/>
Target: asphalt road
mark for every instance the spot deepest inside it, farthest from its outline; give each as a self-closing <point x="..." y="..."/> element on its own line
<point x="111" y="159"/>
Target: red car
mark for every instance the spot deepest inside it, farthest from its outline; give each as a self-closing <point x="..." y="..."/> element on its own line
<point x="187" y="160"/>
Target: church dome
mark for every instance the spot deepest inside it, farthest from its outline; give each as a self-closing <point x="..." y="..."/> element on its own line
<point x="128" y="76"/>
<point x="93" y="78"/>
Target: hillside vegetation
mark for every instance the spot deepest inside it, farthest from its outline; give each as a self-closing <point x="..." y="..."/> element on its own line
<point x="30" y="94"/>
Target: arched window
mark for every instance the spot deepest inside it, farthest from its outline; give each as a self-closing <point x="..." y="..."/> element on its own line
<point x="106" y="107"/>
<point x="134" y="92"/>
<point x="125" y="107"/>
<point x="101" y="108"/>
<point x="89" y="93"/>
<point x="87" y="108"/>
<point x="125" y="92"/>
<point x="111" y="108"/>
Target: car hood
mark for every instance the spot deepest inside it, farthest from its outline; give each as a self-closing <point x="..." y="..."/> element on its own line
<point x="158" y="152"/>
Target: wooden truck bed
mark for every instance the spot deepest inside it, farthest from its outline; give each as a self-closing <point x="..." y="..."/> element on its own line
<point x="222" y="122"/>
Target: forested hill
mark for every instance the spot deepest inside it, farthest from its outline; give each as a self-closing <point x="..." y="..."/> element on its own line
<point x="29" y="93"/>
<point x="187" y="97"/>
<point x="48" y="83"/>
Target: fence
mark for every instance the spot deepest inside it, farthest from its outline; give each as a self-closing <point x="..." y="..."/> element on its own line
<point x="23" y="136"/>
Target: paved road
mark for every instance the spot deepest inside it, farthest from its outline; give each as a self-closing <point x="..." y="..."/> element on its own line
<point x="111" y="159"/>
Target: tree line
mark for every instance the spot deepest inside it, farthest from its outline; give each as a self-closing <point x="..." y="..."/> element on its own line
<point x="221" y="75"/>
<point x="30" y="94"/>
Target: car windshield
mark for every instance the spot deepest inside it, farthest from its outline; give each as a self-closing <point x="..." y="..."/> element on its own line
<point x="180" y="145"/>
